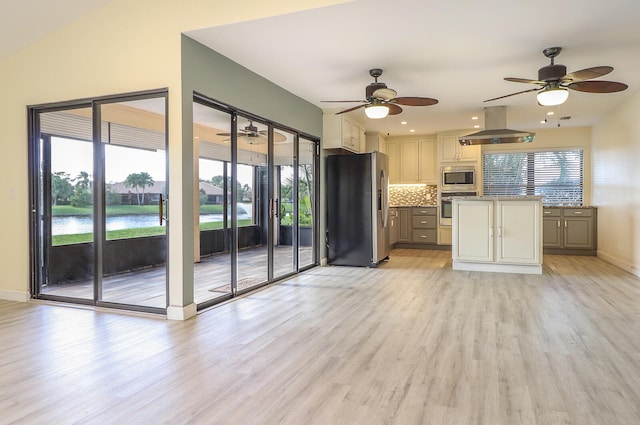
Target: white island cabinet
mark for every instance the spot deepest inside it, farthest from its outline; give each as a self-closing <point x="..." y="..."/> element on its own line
<point x="497" y="234"/>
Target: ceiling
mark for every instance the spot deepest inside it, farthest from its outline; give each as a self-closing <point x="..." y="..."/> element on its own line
<point x="455" y="51"/>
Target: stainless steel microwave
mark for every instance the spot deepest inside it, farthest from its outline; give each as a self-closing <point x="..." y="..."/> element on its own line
<point x="458" y="178"/>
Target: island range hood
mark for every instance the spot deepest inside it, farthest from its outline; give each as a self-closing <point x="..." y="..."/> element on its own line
<point x="496" y="131"/>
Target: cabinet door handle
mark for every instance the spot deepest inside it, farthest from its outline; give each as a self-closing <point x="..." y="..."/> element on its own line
<point x="490" y="231"/>
<point x="423" y="222"/>
<point x="558" y="223"/>
<point x="577" y="212"/>
<point x="565" y="223"/>
<point x="547" y="212"/>
<point x="423" y="236"/>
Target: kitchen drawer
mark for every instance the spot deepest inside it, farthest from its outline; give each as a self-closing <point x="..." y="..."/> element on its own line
<point x="551" y="212"/>
<point x="424" y="236"/>
<point x="425" y="211"/>
<point x="424" y="222"/>
<point x="577" y="212"/>
<point x="393" y="212"/>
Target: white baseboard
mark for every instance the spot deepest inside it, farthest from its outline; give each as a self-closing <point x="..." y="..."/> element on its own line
<point x="19" y="296"/>
<point x="181" y="312"/>
<point x="619" y="263"/>
<point x="497" y="267"/>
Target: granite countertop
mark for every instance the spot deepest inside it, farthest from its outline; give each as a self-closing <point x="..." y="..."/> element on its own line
<point x="501" y="198"/>
<point x="414" y="206"/>
<point x="522" y="197"/>
<point x="570" y="206"/>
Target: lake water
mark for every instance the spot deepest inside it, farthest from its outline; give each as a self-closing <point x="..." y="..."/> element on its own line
<point x="66" y="225"/>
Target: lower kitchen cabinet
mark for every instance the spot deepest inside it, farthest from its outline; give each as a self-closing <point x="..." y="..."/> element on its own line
<point x="404" y="225"/>
<point x="570" y="230"/>
<point x="497" y="235"/>
<point x="424" y="224"/>
<point x="393" y="226"/>
<point x="416" y="226"/>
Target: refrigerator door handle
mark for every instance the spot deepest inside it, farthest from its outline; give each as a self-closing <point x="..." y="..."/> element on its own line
<point x="385" y="197"/>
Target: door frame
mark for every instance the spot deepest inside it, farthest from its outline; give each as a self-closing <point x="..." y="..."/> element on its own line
<point x="37" y="257"/>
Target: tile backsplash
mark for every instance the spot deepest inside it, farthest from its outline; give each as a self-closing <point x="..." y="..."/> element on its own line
<point x="408" y="195"/>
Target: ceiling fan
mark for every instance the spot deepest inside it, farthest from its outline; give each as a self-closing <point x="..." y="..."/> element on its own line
<point x="553" y="81"/>
<point x="382" y="101"/>
<point x="251" y="135"/>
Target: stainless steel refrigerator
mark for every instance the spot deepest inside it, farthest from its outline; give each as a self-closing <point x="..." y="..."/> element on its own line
<point x="357" y="209"/>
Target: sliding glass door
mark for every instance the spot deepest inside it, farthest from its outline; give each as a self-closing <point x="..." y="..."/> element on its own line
<point x="98" y="187"/>
<point x="250" y="186"/>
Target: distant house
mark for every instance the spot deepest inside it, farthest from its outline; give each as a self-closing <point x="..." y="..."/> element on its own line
<point x="152" y="193"/>
<point x="215" y="195"/>
<point x="128" y="194"/>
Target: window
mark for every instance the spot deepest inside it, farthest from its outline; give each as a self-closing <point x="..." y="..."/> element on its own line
<point x="557" y="176"/>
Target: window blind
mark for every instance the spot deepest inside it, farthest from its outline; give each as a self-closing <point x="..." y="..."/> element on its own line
<point x="557" y="176"/>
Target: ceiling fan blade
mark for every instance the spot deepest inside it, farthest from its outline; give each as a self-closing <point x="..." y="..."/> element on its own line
<point x="240" y="133"/>
<point x="394" y="109"/>
<point x="343" y="101"/>
<point x="351" y="109"/>
<point x="385" y="94"/>
<point x="414" y="101"/>
<point x="597" y="86"/>
<point x="277" y="137"/>
<point x="524" y="80"/>
<point x="587" y="74"/>
<point x="513" y="94"/>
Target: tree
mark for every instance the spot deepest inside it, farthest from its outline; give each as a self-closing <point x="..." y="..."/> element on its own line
<point x="61" y="188"/>
<point x="139" y="180"/>
<point x="82" y="180"/>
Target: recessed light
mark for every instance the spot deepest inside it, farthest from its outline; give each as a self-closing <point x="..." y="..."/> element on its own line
<point x="550" y="113"/>
<point x="412" y="131"/>
<point x="476" y="126"/>
<point x="474" y="118"/>
<point x="543" y="121"/>
<point x="403" y="123"/>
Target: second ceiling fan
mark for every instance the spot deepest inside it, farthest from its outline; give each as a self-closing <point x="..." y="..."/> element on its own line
<point x="381" y="101"/>
<point x="553" y="81"/>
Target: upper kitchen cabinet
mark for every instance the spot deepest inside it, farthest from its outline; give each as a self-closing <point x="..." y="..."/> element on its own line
<point x="342" y="132"/>
<point x="412" y="161"/>
<point x="375" y="142"/>
<point x="450" y="150"/>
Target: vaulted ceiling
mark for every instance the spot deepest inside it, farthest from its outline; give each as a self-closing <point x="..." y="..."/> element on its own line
<point x="455" y="51"/>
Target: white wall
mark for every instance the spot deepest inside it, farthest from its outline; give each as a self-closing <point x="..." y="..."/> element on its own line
<point x="616" y="185"/>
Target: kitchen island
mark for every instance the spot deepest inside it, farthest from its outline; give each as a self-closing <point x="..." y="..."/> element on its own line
<point x="497" y="234"/>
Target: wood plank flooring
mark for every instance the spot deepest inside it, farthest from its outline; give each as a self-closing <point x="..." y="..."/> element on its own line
<point x="410" y="342"/>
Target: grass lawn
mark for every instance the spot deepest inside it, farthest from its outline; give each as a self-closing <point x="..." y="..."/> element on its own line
<point x="140" y="232"/>
<point x="66" y="210"/>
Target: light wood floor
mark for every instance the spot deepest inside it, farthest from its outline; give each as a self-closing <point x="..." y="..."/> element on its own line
<point x="411" y="342"/>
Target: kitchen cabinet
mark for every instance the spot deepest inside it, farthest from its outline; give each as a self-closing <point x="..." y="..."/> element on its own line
<point x="342" y="132"/>
<point x="374" y="141"/>
<point x="570" y="230"/>
<point x="393" y="226"/>
<point x="412" y="161"/>
<point x="497" y="234"/>
<point x="393" y="152"/>
<point x="404" y="225"/>
<point x="450" y="150"/>
<point x="423" y="225"/>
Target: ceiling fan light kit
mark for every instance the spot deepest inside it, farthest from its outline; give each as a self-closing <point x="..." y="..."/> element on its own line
<point x="376" y="111"/>
<point x="552" y="96"/>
